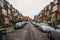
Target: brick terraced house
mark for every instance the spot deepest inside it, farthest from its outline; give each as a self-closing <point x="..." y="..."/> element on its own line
<point x="8" y="14"/>
<point x="51" y="13"/>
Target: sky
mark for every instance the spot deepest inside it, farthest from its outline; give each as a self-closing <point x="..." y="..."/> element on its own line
<point x="29" y="7"/>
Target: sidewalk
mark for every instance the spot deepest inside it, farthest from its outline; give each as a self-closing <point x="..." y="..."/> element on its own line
<point x="10" y="29"/>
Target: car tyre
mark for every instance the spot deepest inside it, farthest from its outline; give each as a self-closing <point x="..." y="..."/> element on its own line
<point x="49" y="35"/>
<point x="4" y="37"/>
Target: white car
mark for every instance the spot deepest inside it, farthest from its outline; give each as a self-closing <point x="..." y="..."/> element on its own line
<point x="45" y="27"/>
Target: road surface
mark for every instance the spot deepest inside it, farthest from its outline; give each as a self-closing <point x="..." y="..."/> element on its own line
<point x="29" y="32"/>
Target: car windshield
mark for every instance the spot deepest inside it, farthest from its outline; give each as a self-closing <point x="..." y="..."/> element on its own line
<point x="18" y="23"/>
<point x="44" y="24"/>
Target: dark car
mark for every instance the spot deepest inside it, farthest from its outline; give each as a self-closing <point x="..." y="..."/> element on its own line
<point x="3" y="34"/>
<point x="18" y="25"/>
<point x="55" y="34"/>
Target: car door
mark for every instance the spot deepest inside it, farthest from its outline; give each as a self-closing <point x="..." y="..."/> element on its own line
<point x="56" y="34"/>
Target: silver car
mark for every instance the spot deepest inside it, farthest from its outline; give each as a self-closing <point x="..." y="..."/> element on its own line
<point x="18" y="25"/>
<point x="45" y="27"/>
<point x="55" y="34"/>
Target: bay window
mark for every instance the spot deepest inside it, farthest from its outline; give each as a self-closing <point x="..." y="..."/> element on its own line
<point x="8" y="5"/>
<point x="48" y="13"/>
<point x="4" y="12"/>
<point x="49" y="7"/>
<point x="55" y="1"/>
<point x="59" y="8"/>
<point x="13" y="10"/>
<point x="1" y="4"/>
<point x="6" y="20"/>
<point x="55" y="8"/>
<point x="9" y="11"/>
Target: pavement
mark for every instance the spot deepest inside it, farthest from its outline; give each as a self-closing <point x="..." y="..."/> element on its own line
<point x="29" y="32"/>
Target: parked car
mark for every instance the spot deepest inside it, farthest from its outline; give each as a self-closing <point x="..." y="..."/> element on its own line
<point x="37" y="24"/>
<point x="45" y="27"/>
<point x="19" y="25"/>
<point x="55" y="34"/>
<point x="23" y="23"/>
<point x="3" y="34"/>
<point x="33" y="23"/>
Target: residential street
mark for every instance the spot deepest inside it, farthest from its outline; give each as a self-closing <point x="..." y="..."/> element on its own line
<point x="29" y="19"/>
<point x="29" y="32"/>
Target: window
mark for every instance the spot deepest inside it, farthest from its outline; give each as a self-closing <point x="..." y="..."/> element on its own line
<point x="4" y="12"/>
<point x="1" y="4"/>
<point x="59" y="8"/>
<point x="49" y="7"/>
<point x="48" y="13"/>
<point x="0" y="19"/>
<point x="55" y="8"/>
<point x="13" y="10"/>
<point x="8" y="5"/>
<point x="6" y="21"/>
<point x="40" y="15"/>
<point x="9" y="11"/>
<point x="53" y="17"/>
<point x="55" y="1"/>
<point x="15" y="14"/>
<point x="58" y="1"/>
<point x="58" y="17"/>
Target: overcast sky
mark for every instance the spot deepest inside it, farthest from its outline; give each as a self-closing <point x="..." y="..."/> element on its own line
<point x="29" y="7"/>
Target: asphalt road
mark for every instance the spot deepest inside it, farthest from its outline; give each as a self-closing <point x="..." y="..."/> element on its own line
<point x="29" y="32"/>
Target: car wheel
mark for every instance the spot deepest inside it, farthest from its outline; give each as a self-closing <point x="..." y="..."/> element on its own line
<point x="4" y="37"/>
<point x="49" y="35"/>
